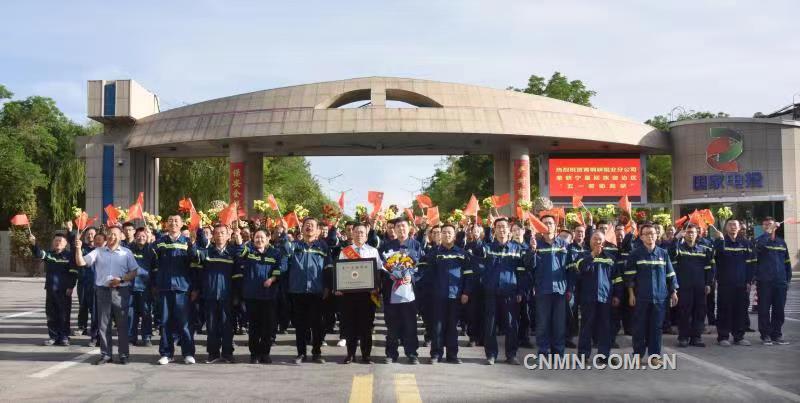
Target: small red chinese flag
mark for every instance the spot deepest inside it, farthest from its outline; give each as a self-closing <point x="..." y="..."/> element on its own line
<point x="521" y="213"/>
<point x="376" y="199"/>
<point x="20" y="219"/>
<point x="409" y="214"/>
<point x="625" y="204"/>
<point x="577" y="201"/>
<point x="273" y="204"/>
<point x="707" y="216"/>
<point x="502" y="200"/>
<point x="341" y="201"/>
<point x="194" y="220"/>
<point x="433" y="215"/>
<point x="228" y="214"/>
<point x="82" y="221"/>
<point x="113" y="216"/>
<point x="579" y="218"/>
<point x="137" y="209"/>
<point x="472" y="207"/>
<point x="681" y="221"/>
<point x="291" y="220"/>
<point x="537" y="224"/>
<point x="424" y="201"/>
<point x="696" y="218"/>
<point x="185" y="205"/>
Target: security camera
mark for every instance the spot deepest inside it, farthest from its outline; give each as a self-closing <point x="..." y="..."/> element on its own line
<point x="120" y="162"/>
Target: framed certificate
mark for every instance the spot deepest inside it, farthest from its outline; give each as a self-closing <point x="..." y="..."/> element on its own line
<point x="355" y="275"/>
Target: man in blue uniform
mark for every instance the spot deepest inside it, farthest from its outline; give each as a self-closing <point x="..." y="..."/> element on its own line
<point x="447" y="274"/>
<point x="694" y="267"/>
<point x="735" y="266"/>
<point x="475" y="303"/>
<point x="60" y="279"/>
<point x="651" y="280"/>
<point x="598" y="288"/>
<point x="139" y="305"/>
<point x="773" y="274"/>
<point x="215" y="281"/>
<point x="309" y="285"/>
<point x="172" y="278"/>
<point x="505" y="281"/>
<point x="547" y="260"/>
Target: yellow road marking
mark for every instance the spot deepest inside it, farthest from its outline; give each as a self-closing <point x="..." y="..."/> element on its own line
<point x="405" y="389"/>
<point x="361" y="392"/>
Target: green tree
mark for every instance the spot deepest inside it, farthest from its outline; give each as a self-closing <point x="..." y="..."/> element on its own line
<point x="46" y="137"/>
<point x="558" y="87"/>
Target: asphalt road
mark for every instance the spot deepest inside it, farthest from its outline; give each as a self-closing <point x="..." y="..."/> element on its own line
<point x="30" y="371"/>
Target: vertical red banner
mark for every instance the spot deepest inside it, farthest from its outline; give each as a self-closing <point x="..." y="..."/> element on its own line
<point x="237" y="185"/>
<point x="522" y="180"/>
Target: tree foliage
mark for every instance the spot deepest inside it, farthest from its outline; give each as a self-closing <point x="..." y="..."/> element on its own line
<point x="558" y="87"/>
<point x="41" y="175"/>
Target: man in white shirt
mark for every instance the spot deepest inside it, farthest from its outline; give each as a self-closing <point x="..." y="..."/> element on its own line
<point x="115" y="267"/>
<point x="358" y="310"/>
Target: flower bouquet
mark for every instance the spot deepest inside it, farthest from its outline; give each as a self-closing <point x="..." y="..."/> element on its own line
<point x="399" y="265"/>
<point x="361" y="213"/>
<point x="300" y="211"/>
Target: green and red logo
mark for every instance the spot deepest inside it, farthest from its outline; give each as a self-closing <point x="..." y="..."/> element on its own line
<point x="724" y="148"/>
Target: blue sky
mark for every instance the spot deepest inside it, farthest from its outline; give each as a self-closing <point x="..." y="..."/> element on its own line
<point x="643" y="58"/>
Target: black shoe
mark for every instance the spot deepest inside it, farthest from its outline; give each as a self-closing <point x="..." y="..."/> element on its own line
<point x="454" y="360"/>
<point x="615" y="345"/>
<point x="413" y="360"/>
<point x="697" y="343"/>
<point x="265" y="359"/>
<point x="512" y="361"/>
<point x="228" y="359"/>
<point x="102" y="360"/>
<point x="366" y="360"/>
<point x="253" y="359"/>
<point x="123" y="360"/>
<point x="749" y="330"/>
<point x="147" y="343"/>
<point x="213" y="359"/>
<point x="570" y="344"/>
<point x="683" y="343"/>
<point x="526" y="344"/>
<point x="347" y="360"/>
<point x="426" y="343"/>
<point x="318" y="359"/>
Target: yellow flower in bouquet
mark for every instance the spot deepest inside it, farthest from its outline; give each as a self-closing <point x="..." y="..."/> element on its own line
<point x="205" y="219"/>
<point x="487" y="203"/>
<point x="389" y="214"/>
<point x="152" y="220"/>
<point x="76" y="212"/>
<point x="361" y="212"/>
<point x="525" y="205"/>
<point x="301" y="211"/>
<point x="456" y="217"/>
<point x="122" y="214"/>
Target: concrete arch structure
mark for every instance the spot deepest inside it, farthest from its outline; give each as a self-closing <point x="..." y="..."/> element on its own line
<point x="305" y="120"/>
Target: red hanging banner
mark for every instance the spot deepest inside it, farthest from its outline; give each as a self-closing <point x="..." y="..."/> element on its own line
<point x="522" y="180"/>
<point x="237" y="185"/>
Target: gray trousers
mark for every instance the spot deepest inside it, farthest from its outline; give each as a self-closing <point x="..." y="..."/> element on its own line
<point x="112" y="301"/>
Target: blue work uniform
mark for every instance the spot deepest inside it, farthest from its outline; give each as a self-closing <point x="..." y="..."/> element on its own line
<point x="504" y="278"/>
<point x="172" y="277"/>
<point x="308" y="275"/>
<point x="139" y="305"/>
<point x="548" y="266"/>
<point x="448" y="275"/>
<point x="215" y="280"/>
<point x="253" y="269"/>
<point x="772" y="275"/>
<point x="694" y="268"/>
<point x="401" y="316"/>
<point x="651" y="276"/>
<point x="598" y="280"/>
<point x="60" y="276"/>
<point x="735" y="263"/>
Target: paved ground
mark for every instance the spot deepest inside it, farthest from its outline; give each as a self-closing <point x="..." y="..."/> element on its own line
<point x="29" y="371"/>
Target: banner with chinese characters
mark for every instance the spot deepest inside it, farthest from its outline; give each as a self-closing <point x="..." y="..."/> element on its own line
<point x="595" y="177"/>
<point x="237" y="184"/>
<point x="522" y="180"/>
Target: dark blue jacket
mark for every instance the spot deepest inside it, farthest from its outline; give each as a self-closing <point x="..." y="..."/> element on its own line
<point x="254" y="268"/>
<point x="598" y="278"/>
<point x="504" y="273"/>
<point x="60" y="273"/>
<point x="575" y="252"/>
<point x="475" y="248"/>
<point x="693" y="265"/>
<point x="650" y="274"/>
<point x="146" y="259"/>
<point x="447" y="272"/>
<point x="173" y="268"/>
<point x="774" y="266"/>
<point x="307" y="267"/>
<point x="215" y="272"/>
<point x="548" y="265"/>
<point x="85" y="273"/>
<point x="735" y="262"/>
